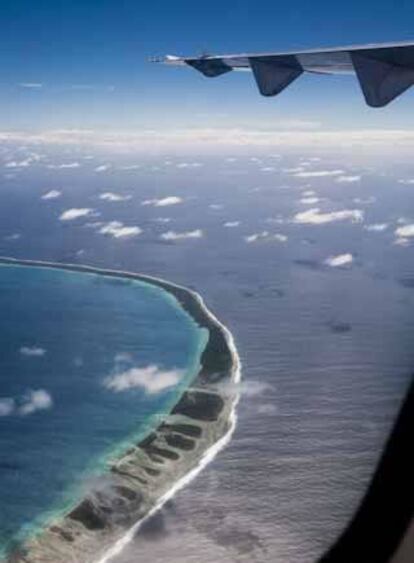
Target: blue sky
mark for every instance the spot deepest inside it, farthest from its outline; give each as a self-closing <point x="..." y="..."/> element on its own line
<point x="89" y="62"/>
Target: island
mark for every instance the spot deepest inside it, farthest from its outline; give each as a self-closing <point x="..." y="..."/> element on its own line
<point x="149" y="473"/>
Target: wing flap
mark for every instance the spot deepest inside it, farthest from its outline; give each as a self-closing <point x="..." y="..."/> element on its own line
<point x="273" y="74"/>
<point x="384" y="74"/>
<point x="209" y="67"/>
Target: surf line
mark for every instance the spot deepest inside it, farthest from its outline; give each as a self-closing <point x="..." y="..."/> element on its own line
<point x="206" y="458"/>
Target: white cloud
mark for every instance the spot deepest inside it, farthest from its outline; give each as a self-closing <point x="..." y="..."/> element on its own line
<point x="265" y="235"/>
<point x="318" y="173"/>
<point x="293" y="170"/>
<point x="339" y="260"/>
<point x="189" y="165"/>
<point x="63" y="166"/>
<point x="13" y="236"/>
<point x="396" y="139"/>
<point x="230" y="224"/>
<point x="31" y="85"/>
<point x="130" y="167"/>
<point x="248" y="388"/>
<point x="123" y="357"/>
<point x="216" y="206"/>
<point x="299" y="124"/>
<point x="309" y="200"/>
<point x="364" y="201"/>
<point x="110" y="196"/>
<point x="163" y="202"/>
<point x="402" y="241"/>
<point x="254" y="388"/>
<point x="32" y="351"/>
<point x="162" y="219"/>
<point x="267" y="409"/>
<point x="275" y="220"/>
<point x="376" y="227"/>
<point x="406" y="231"/>
<point x="316" y="217"/>
<point x="408" y="181"/>
<point x="279" y="237"/>
<point x="53" y="194"/>
<point x="75" y="213"/>
<point x="173" y="235"/>
<point x="119" y="230"/>
<point x="35" y="400"/>
<point x="31" y="402"/>
<point x="151" y="379"/>
<point x="7" y="406"/>
<point x="23" y="163"/>
<point x="17" y="164"/>
<point x="348" y="179"/>
<point x="93" y="224"/>
<point x="102" y="168"/>
<point x="309" y="193"/>
<point x="256" y="236"/>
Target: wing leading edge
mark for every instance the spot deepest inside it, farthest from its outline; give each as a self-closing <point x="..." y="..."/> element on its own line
<point x="383" y="71"/>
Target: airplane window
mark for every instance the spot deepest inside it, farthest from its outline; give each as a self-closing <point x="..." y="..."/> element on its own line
<point x="206" y="289"/>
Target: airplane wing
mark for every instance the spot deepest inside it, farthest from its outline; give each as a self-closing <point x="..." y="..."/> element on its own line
<point x="384" y="71"/>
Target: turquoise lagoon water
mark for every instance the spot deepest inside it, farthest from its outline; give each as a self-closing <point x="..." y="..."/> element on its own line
<point x="63" y="333"/>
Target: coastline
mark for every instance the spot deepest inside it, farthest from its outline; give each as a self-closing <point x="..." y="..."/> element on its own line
<point x="149" y="473"/>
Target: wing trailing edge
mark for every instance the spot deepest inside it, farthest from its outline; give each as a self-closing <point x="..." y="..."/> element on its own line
<point x="383" y="71"/>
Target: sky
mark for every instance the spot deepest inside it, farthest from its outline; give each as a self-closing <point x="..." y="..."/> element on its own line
<point x="84" y="65"/>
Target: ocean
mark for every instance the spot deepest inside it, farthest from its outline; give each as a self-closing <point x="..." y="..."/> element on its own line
<point x="326" y="348"/>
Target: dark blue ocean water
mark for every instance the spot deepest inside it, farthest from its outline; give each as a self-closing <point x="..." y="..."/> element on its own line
<point x="327" y="353"/>
<point x="62" y="333"/>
